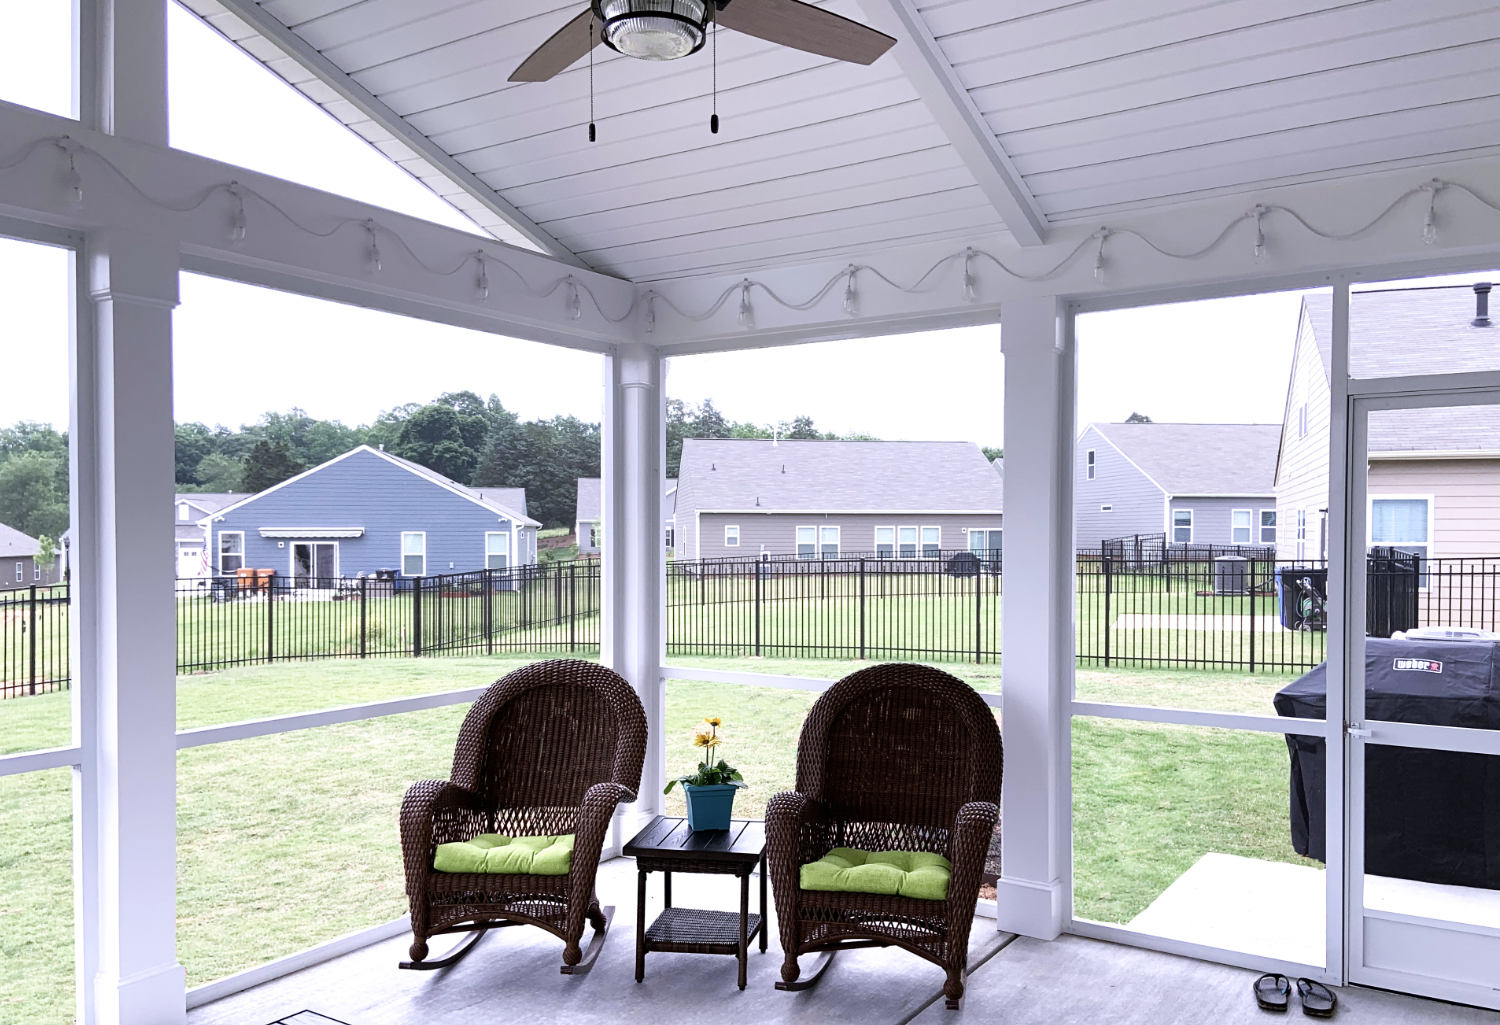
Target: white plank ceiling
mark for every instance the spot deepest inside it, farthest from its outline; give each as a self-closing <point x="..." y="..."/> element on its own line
<point x="1101" y="105"/>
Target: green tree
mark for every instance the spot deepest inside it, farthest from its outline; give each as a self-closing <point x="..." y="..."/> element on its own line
<point x="34" y="493"/>
<point x="507" y="448"/>
<point x="1138" y="418"/>
<point x="992" y="453"/>
<point x="267" y="465"/>
<point x="219" y="473"/>
<point x="46" y="553"/>
<point x="443" y="439"/>
<point x="195" y="442"/>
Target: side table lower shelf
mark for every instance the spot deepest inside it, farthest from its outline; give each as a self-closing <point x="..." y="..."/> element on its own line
<point x="695" y="931"/>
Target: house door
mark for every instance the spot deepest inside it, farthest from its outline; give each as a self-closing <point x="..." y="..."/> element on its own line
<point x="1422" y="723"/>
<point x="315" y="563"/>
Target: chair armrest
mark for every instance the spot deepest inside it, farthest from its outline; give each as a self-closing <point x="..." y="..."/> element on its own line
<point x="796" y="833"/>
<point x="593" y="825"/>
<point x="435" y="811"/>
<point x="969" y="845"/>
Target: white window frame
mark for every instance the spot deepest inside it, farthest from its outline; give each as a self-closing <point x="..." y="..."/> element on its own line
<point x="1302" y="420"/>
<point x="985" y="532"/>
<point x="891" y="543"/>
<point x="1190" y="526"/>
<point x="1090" y="465"/>
<point x="292" y="557"/>
<point x="403" y="553"/>
<point x="731" y="530"/>
<point x="219" y="557"/>
<point x="811" y="544"/>
<point x="20" y="573"/>
<point x="671" y="537"/>
<point x="183" y="513"/>
<point x="922" y="542"/>
<point x="916" y="542"/>
<point x="1431" y="501"/>
<point x="1263" y="526"/>
<point x="1249" y="526"/>
<point x="594" y="534"/>
<point x="504" y="535"/>
<point x="36" y="570"/>
<point x="823" y="530"/>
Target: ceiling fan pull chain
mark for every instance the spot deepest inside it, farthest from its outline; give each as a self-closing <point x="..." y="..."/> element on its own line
<point x="713" y="122"/>
<point x="592" y="134"/>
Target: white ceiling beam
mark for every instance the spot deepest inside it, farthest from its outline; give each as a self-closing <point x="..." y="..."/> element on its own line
<point x="299" y="50"/>
<point x="923" y="62"/>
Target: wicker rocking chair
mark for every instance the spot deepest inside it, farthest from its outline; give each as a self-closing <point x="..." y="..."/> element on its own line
<point x="894" y="757"/>
<point x="549" y="750"/>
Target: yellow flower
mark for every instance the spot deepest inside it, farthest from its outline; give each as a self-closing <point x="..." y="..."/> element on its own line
<point x="701" y="737"/>
<point x="714" y="721"/>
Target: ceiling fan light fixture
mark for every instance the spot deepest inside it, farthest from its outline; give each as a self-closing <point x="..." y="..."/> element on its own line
<point x="653" y="30"/>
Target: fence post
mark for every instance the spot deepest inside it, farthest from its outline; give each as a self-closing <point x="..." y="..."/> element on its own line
<point x="861" y="609"/>
<point x="1109" y="582"/>
<point x="489" y="611"/>
<point x="270" y="619"/>
<point x="758" y="565"/>
<point x="364" y="616"/>
<point x="978" y="614"/>
<point x="31" y="614"/>
<point x="572" y="604"/>
<point x="416" y="617"/>
<point x="1252" y="615"/>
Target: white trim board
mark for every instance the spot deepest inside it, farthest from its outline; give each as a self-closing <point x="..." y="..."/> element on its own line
<point x="202" y="735"/>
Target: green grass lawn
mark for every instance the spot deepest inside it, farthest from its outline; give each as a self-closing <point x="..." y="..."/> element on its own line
<point x="289" y="840"/>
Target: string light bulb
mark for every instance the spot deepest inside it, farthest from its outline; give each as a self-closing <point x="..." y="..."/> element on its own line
<point x="574" y="304"/>
<point x="483" y="284"/>
<point x="971" y="293"/>
<point x="851" y="293"/>
<point x="375" y="264"/>
<point x="1101" y="235"/>
<point x="72" y="180"/>
<point x="1259" y="250"/>
<point x="1429" y="221"/>
<point x="238" y="225"/>
<point x="747" y="312"/>
<point x="650" y="313"/>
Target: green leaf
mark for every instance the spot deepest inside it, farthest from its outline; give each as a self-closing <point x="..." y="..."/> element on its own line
<point x="670" y="784"/>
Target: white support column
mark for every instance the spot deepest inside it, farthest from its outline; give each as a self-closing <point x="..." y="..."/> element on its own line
<point x="123" y="578"/>
<point x="122" y="67"/>
<point x="634" y="637"/>
<point x="1037" y="638"/>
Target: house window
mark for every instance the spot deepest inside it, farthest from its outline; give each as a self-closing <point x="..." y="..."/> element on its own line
<point x="985" y="543"/>
<point x="36" y="572"/>
<point x="1239" y="527"/>
<point x="182" y="511"/>
<point x="1301" y="533"/>
<point x="1401" y="523"/>
<point x="20" y="573"/>
<point x="231" y="551"/>
<point x="828" y="542"/>
<point x="593" y="535"/>
<point x="1268" y="526"/>
<point x="413" y="553"/>
<point x="932" y="542"/>
<point x="807" y="542"/>
<point x="1089" y="465"/>
<point x="885" y="542"/>
<point x="1182" y="526"/>
<point x="1106" y="508"/>
<point x="731" y="536"/>
<point x="906" y="538"/>
<point x="496" y="550"/>
<point x="1302" y="420"/>
<point x="671" y="537"/>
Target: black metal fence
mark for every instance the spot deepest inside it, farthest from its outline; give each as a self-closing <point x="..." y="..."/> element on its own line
<point x="945" y="607"/>
<point x="33" y="640"/>
<point x="1225" y="613"/>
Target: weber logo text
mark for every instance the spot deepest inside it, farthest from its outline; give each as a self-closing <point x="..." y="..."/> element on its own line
<point x="1419" y="665"/>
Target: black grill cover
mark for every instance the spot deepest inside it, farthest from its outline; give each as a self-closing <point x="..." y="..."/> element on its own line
<point x="1433" y="816"/>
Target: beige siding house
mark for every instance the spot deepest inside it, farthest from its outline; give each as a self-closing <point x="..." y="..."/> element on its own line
<point x="1434" y="474"/>
<point x="18" y="565"/>
<point x="742" y="498"/>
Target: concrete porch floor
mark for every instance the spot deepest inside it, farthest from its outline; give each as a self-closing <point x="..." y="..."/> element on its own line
<point x="512" y="975"/>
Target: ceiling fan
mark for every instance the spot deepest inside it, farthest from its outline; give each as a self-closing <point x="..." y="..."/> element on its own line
<point x="663" y="30"/>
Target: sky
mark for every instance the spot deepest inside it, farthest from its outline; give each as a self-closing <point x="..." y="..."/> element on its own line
<point x="241" y="350"/>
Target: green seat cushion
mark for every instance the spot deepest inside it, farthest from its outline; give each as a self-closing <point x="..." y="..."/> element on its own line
<point x="905" y="873"/>
<point x="506" y="855"/>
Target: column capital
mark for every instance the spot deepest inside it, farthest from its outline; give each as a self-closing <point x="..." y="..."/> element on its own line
<point x="127" y="266"/>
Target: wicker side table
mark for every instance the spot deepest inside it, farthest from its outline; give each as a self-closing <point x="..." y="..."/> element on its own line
<point x="667" y="846"/>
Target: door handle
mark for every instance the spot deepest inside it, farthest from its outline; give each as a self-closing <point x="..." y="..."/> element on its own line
<point x="1355" y="732"/>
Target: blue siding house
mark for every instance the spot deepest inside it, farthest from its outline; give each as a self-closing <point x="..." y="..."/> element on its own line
<point x="368" y="510"/>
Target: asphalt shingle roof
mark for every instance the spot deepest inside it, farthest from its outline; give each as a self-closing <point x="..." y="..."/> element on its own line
<point x="1401" y="331"/>
<point x="591" y="502"/>
<point x="842" y="476"/>
<point x="16" y="545"/>
<point x="1201" y="459"/>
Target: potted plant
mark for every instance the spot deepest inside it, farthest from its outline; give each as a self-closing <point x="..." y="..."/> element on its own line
<point x="710" y="790"/>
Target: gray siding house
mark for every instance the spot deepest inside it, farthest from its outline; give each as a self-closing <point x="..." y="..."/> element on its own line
<point x="590" y="512"/>
<point x="190" y="517"/>
<point x="367" y="510"/>
<point x="740" y="498"/>
<point x="18" y="566"/>
<point x="1211" y="484"/>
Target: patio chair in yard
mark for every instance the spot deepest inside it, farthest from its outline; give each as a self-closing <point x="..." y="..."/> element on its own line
<point x="514" y="838"/>
<point x="884" y="840"/>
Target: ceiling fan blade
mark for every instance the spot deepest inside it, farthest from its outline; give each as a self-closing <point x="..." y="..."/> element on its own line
<point x="805" y="27"/>
<point x="569" y="43"/>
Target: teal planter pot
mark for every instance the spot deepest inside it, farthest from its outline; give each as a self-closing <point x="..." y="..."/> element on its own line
<point x="709" y="807"/>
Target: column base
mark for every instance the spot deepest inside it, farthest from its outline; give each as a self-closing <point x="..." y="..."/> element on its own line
<point x="1029" y="908"/>
<point x="157" y="996"/>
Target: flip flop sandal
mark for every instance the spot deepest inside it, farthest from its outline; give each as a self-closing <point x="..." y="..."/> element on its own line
<point x="1318" y="1001"/>
<point x="1272" y="992"/>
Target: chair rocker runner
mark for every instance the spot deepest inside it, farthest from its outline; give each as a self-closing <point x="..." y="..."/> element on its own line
<point x="543" y="758"/>
<point x="904" y="761"/>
